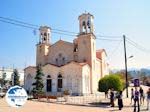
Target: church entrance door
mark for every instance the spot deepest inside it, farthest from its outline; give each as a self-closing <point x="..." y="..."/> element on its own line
<point x="59" y="83"/>
<point x="49" y="85"/>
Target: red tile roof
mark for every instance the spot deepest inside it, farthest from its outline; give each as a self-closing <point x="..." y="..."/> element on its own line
<point x="99" y="53"/>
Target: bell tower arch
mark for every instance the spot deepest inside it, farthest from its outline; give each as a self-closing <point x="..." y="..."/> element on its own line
<point x="45" y="34"/>
<point x="86" y="24"/>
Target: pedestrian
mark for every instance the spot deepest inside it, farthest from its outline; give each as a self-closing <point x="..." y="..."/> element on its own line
<point x="120" y="101"/>
<point x="148" y="98"/>
<point x="136" y="100"/>
<point x="132" y="95"/>
<point x="106" y="94"/>
<point x="141" y="95"/>
<point x="112" y="97"/>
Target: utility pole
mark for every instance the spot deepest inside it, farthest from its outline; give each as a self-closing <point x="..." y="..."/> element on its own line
<point x="125" y="57"/>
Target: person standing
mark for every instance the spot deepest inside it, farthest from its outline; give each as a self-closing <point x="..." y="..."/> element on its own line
<point x="141" y="95"/>
<point x="132" y="95"/>
<point x="112" y="98"/>
<point x="136" y="100"/>
<point x="106" y="94"/>
<point x="148" y="98"/>
<point x="120" y="101"/>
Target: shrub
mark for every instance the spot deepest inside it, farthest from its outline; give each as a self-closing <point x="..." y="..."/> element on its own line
<point x="110" y="81"/>
<point x="66" y="92"/>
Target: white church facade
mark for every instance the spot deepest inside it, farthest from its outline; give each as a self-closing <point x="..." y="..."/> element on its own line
<point x="76" y="67"/>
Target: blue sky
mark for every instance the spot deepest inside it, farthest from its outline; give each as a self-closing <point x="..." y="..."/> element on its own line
<point x="112" y="18"/>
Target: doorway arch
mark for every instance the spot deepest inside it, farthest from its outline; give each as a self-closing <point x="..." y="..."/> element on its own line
<point x="48" y="84"/>
<point x="59" y="83"/>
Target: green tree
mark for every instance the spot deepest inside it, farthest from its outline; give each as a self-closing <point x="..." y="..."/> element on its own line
<point x="38" y="84"/>
<point x="110" y="81"/>
<point x="16" y="77"/>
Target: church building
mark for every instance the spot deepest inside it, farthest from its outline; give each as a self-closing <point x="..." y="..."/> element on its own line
<point x="75" y="67"/>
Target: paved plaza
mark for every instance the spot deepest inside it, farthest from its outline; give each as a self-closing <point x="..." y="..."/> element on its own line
<point x="35" y="106"/>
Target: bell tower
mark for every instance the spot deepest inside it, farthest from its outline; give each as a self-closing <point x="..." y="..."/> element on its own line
<point x="43" y="45"/>
<point x="86" y="39"/>
<point x="86" y="24"/>
<point x="45" y="34"/>
<point x="87" y="46"/>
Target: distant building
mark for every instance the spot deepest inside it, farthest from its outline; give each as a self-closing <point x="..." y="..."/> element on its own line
<point x="76" y="66"/>
<point x="9" y="74"/>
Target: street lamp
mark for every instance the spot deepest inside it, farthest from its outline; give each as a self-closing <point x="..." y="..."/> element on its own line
<point x="126" y="73"/>
<point x="130" y="57"/>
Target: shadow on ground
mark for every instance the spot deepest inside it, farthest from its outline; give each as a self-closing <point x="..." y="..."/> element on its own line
<point x="99" y="104"/>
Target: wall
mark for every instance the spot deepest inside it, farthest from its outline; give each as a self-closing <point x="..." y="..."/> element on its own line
<point x="63" y="48"/>
<point x="30" y="74"/>
<point x="86" y="80"/>
<point x="71" y="74"/>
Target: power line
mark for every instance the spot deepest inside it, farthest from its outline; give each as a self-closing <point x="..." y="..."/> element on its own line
<point x="57" y="31"/>
<point x="63" y="33"/>
<point x="108" y="39"/>
<point x="136" y="45"/>
<point x="18" y="21"/>
<point x="32" y="26"/>
<point x="17" y="24"/>
<point x="139" y="48"/>
<point x="116" y="48"/>
<point x="108" y="36"/>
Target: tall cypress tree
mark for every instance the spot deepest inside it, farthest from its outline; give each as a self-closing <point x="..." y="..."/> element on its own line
<point x="38" y="89"/>
<point x="16" y="77"/>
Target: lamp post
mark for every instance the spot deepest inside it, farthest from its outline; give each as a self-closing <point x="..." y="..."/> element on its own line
<point x="130" y="57"/>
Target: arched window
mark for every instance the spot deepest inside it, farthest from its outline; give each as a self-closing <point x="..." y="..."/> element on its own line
<point x="59" y="83"/>
<point x="60" y="55"/>
<point x="28" y="77"/>
<point x="75" y="48"/>
<point x="49" y="84"/>
<point x="83" y="24"/>
<point x="48" y="77"/>
<point x="84" y="60"/>
<point x="45" y="34"/>
<point x="63" y="60"/>
<point x="56" y="61"/>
